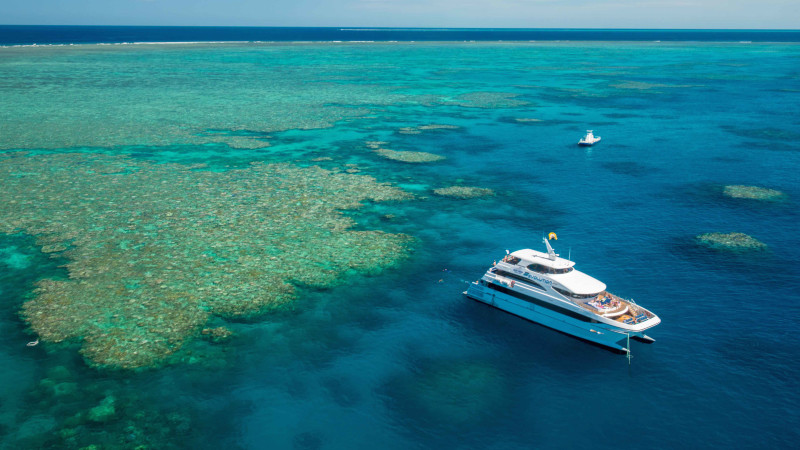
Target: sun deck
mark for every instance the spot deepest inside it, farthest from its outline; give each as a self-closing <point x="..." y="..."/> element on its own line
<point x="614" y="307"/>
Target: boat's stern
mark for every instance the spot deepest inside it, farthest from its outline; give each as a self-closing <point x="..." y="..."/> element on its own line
<point x="475" y="290"/>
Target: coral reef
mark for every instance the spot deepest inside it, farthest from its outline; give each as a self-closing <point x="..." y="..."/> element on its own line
<point x="631" y="168"/>
<point x="238" y="139"/>
<point x="421" y="128"/>
<point x="110" y="108"/>
<point x="753" y="193"/>
<point x="463" y="192"/>
<point x="488" y="100"/>
<point x="155" y="250"/>
<point x="12" y="258"/>
<point x="217" y="334"/>
<point x="777" y="135"/>
<point x="103" y="412"/>
<point x="435" y="126"/>
<point x="450" y="393"/>
<point x="731" y="241"/>
<point x="409" y="157"/>
<point x="352" y="168"/>
<point x="98" y="411"/>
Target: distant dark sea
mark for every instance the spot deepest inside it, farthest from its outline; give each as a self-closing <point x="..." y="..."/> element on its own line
<point x="69" y="34"/>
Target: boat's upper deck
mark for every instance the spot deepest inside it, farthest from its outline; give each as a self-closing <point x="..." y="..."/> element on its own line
<point x="536" y="257"/>
<point x="551" y="275"/>
<point x="557" y="269"/>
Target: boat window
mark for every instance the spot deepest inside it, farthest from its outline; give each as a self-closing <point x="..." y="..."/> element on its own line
<point x="545" y="269"/>
<point x="567" y="293"/>
<point x="514" y="276"/>
<point x="541" y="303"/>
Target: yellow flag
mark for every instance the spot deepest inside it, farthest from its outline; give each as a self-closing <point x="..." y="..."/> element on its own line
<point x="552" y="236"/>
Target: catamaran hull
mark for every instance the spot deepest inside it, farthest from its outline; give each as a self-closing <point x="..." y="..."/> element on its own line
<point x="594" y="332"/>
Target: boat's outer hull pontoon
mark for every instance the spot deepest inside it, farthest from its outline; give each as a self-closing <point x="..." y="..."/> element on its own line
<point x="582" y="327"/>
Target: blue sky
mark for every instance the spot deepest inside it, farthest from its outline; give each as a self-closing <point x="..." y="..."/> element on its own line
<point x="412" y="13"/>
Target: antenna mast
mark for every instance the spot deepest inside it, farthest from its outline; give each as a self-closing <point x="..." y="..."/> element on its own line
<point x="551" y="254"/>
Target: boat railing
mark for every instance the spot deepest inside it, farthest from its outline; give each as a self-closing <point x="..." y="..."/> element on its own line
<point x="640" y="314"/>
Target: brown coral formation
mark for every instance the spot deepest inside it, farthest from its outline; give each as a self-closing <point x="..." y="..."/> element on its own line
<point x="737" y="242"/>
<point x="437" y="126"/>
<point x="753" y="193"/>
<point x="409" y="157"/>
<point x="421" y="128"/>
<point x="217" y="334"/>
<point x="155" y="250"/>
<point x="463" y="192"/>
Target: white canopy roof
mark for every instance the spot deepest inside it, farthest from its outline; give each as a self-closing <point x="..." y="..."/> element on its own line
<point x="579" y="283"/>
<point x="536" y="257"/>
<point x="575" y="281"/>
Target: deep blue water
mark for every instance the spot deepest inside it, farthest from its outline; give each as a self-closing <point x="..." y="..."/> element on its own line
<point x="402" y="360"/>
<point x="71" y="34"/>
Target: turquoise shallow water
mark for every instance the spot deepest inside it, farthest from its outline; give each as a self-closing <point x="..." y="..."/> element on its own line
<point x="401" y="359"/>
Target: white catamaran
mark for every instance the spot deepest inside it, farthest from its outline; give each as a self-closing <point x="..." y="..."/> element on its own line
<point x="546" y="289"/>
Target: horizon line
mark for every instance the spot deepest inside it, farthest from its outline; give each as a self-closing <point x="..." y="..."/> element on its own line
<point x="343" y="27"/>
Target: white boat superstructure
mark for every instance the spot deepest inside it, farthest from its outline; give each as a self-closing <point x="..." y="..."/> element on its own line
<point x="546" y="289"/>
<point x="589" y="139"/>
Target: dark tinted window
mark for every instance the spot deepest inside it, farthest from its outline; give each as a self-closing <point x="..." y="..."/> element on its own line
<point x="514" y="276"/>
<point x="544" y="269"/>
<point x="541" y="303"/>
<point x="567" y="293"/>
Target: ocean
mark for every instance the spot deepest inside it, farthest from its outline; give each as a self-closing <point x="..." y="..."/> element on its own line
<point x="244" y="237"/>
<point x="76" y="34"/>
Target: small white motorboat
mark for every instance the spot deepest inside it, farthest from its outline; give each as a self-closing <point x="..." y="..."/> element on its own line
<point x="589" y="139"/>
